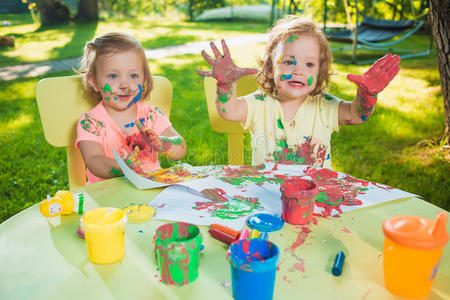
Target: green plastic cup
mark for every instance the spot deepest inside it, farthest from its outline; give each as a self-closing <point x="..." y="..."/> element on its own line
<point x="177" y="247"/>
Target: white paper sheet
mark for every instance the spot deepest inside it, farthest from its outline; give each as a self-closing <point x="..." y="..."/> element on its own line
<point x="180" y="202"/>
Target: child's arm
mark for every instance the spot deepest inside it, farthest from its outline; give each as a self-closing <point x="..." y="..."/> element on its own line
<point x="98" y="163"/>
<point x="376" y="78"/>
<point x="169" y="143"/>
<point x="226" y="73"/>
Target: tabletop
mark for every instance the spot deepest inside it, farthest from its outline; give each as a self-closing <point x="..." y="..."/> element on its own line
<point x="44" y="258"/>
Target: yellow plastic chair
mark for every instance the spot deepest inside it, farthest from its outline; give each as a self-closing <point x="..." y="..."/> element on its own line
<point x="246" y="85"/>
<point x="61" y="104"/>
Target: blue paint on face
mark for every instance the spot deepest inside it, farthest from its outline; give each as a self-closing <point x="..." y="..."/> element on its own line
<point x="285" y="77"/>
<point x="137" y="98"/>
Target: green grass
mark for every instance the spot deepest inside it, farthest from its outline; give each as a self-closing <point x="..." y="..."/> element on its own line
<point x="67" y="41"/>
<point x="387" y="149"/>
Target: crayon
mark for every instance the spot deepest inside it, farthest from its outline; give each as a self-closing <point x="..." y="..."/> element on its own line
<point x="221" y="236"/>
<point x="264" y="235"/>
<point x="226" y="230"/>
<point x="244" y="234"/>
<point x="254" y="233"/>
<point x="338" y="264"/>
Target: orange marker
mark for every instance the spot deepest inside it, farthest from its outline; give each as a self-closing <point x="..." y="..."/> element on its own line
<point x="229" y="231"/>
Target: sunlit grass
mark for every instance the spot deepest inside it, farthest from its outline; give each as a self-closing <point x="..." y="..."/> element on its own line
<point x="67" y="41"/>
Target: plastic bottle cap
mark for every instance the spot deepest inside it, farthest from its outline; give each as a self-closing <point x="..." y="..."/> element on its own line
<point x="417" y="232"/>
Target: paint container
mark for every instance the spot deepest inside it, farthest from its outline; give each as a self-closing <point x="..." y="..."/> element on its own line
<point x="298" y="196"/>
<point x="412" y="250"/>
<point x="253" y="269"/>
<point x="177" y="247"/>
<point x="104" y="231"/>
<point x="264" y="223"/>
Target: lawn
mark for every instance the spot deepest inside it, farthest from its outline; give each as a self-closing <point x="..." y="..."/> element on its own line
<point x="395" y="147"/>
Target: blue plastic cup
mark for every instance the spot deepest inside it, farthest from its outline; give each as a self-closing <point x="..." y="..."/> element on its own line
<point x="253" y="269"/>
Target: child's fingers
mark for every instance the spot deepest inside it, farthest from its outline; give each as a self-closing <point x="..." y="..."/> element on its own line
<point x="208" y="58"/>
<point x="247" y="71"/>
<point x="383" y="62"/>
<point x="204" y="73"/>
<point x="226" y="51"/>
<point x="215" y="50"/>
<point x="357" y="79"/>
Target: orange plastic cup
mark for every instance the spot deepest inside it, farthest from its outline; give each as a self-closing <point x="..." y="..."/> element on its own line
<point x="412" y="251"/>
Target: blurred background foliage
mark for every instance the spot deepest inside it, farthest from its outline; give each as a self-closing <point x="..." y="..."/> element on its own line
<point x="335" y="11"/>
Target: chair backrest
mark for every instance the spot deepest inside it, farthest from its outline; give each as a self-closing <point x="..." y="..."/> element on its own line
<point x="246" y="85"/>
<point x="60" y="101"/>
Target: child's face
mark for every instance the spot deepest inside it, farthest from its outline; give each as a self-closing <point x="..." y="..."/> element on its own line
<point x="296" y="67"/>
<point x="119" y="78"/>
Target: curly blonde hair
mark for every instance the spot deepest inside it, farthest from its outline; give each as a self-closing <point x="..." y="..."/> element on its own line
<point x="281" y="31"/>
<point x="107" y="44"/>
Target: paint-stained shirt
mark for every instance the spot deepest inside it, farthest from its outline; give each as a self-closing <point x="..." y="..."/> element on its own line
<point x="97" y="126"/>
<point x="303" y="140"/>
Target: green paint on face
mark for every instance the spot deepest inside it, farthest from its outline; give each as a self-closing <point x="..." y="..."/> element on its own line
<point x="223" y="110"/>
<point x="107" y="88"/>
<point x="280" y="124"/>
<point x="107" y="98"/>
<point x="310" y="80"/>
<point x="291" y="38"/>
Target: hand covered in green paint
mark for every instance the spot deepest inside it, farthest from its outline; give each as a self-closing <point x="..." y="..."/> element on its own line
<point x="377" y="77"/>
<point x="223" y="68"/>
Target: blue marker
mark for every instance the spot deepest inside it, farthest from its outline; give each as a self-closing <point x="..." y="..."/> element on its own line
<point x="338" y="264"/>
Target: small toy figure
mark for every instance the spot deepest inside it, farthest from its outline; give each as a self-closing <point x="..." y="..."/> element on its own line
<point x="63" y="203"/>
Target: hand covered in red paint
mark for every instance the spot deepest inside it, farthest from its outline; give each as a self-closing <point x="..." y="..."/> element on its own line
<point x="150" y="137"/>
<point x="377" y="77"/>
<point x="223" y="68"/>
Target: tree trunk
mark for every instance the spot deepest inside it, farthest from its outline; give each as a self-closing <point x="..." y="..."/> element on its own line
<point x="87" y="11"/>
<point x="440" y="22"/>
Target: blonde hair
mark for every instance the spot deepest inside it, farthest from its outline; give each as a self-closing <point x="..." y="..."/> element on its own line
<point x="107" y="44"/>
<point x="281" y="31"/>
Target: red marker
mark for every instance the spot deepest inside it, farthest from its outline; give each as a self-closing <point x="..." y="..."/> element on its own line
<point x="224" y="234"/>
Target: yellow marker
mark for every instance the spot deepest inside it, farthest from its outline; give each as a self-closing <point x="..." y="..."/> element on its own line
<point x="254" y="234"/>
<point x="139" y="213"/>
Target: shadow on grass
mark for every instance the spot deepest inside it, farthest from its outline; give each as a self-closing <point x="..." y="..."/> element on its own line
<point x="81" y="34"/>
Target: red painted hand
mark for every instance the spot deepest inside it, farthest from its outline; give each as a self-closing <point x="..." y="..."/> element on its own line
<point x="377" y="77"/>
<point x="222" y="68"/>
<point x="150" y="137"/>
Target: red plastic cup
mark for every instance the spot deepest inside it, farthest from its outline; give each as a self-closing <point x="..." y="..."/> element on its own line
<point x="298" y="196"/>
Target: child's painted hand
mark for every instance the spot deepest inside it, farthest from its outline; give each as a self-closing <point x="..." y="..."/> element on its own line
<point x="150" y="137"/>
<point x="377" y="77"/>
<point x="133" y="160"/>
<point x="223" y="68"/>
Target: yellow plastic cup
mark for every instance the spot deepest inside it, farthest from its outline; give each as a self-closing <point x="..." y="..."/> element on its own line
<point x="412" y="250"/>
<point x="104" y="231"/>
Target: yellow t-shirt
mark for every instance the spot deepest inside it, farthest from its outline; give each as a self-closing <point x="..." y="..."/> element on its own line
<point x="303" y="140"/>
